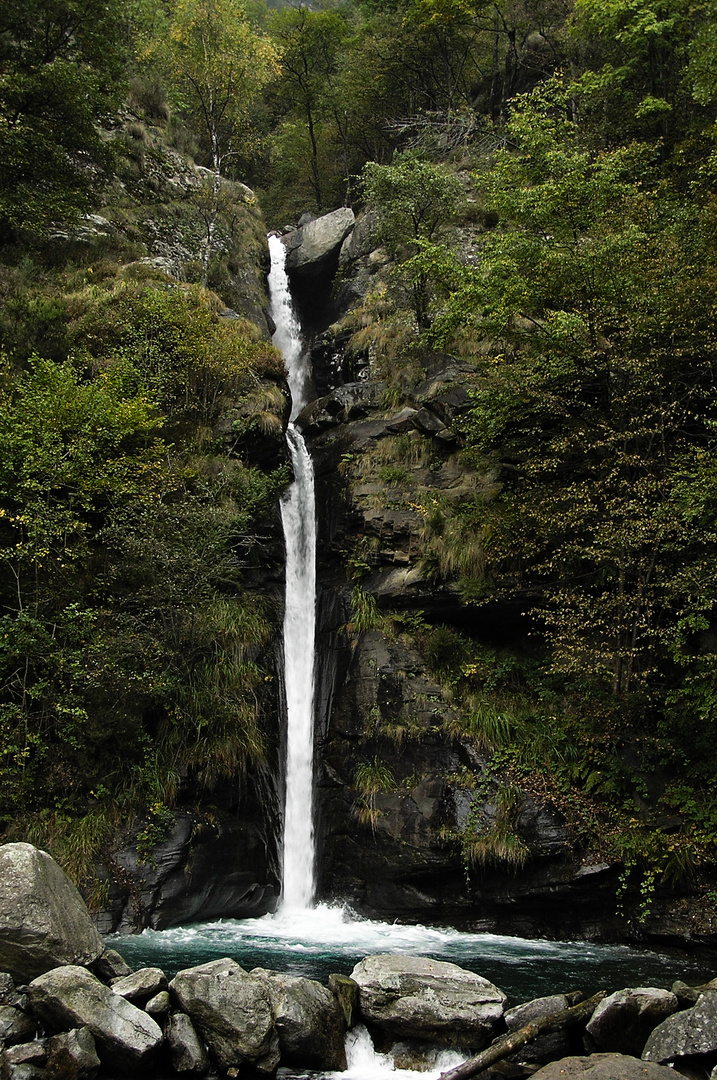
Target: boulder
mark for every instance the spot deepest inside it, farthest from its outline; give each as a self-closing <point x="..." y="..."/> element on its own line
<point x="186" y="1049"/>
<point x="71" y="997"/>
<point x="15" y="1026"/>
<point x="309" y="1021"/>
<point x="44" y="922"/>
<point x="141" y="985"/>
<point x="362" y="240"/>
<point x="29" y="1053"/>
<point x="623" y="1021"/>
<point x="312" y="249"/>
<point x="72" y="1055"/>
<point x="347" y="995"/>
<point x="158" y="1005"/>
<point x="603" y="1067"/>
<point x="685" y="1034"/>
<point x="111" y="966"/>
<point x="545" y="1048"/>
<point x="415" y="997"/>
<point x="232" y="1011"/>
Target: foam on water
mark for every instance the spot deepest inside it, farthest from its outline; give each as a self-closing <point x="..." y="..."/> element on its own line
<point x="318" y="941"/>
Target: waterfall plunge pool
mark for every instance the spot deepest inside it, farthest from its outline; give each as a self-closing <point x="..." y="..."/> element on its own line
<point x="325" y="939"/>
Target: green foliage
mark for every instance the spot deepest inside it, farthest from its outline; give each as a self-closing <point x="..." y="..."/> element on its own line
<point x="413" y="197"/>
<point x="490" y="837"/>
<point x="61" y="76"/>
<point x="191" y="362"/>
<point x="130" y="671"/>
<point x="364" y="612"/>
<point x="218" y="64"/>
<point x="371" y="778"/>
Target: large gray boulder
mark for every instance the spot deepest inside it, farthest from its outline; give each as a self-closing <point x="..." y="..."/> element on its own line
<point x="314" y="247"/>
<point x="623" y="1021"/>
<point x="685" y="1034"/>
<point x="44" y="922"/>
<point x="232" y="1011"/>
<point x="603" y="1067"/>
<point x="309" y="1021"/>
<point x="414" y="997"/>
<point x="71" y="997"/>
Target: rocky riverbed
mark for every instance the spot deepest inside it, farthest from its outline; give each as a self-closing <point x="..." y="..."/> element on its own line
<point x="71" y="1009"/>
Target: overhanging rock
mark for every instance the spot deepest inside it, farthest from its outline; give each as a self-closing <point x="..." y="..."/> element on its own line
<point x="313" y="250"/>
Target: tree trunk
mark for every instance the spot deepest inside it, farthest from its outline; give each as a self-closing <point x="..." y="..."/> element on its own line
<point x="506" y="1045"/>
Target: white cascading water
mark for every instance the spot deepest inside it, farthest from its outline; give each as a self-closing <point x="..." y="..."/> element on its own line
<point x="298" y="514"/>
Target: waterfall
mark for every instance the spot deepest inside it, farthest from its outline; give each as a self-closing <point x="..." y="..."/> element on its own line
<point x="299" y="520"/>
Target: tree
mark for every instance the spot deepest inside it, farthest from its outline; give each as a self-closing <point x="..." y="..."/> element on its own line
<point x="61" y="75"/>
<point x="309" y="42"/>
<point x="596" y="303"/>
<point x="414" y="200"/>
<point x="219" y="65"/>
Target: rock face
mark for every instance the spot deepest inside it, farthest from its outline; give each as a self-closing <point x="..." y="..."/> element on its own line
<point x="603" y="1067"/>
<point x="232" y="1011"/>
<point x="414" y="997"/>
<point x="623" y="1021"/>
<point x="43" y="919"/>
<point x="201" y="870"/>
<point x="70" y="997"/>
<point x="686" y="1033"/>
<point x="315" y="247"/>
<point x="309" y="1021"/>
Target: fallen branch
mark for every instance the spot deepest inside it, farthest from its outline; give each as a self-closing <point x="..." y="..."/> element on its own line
<point x="506" y="1045"/>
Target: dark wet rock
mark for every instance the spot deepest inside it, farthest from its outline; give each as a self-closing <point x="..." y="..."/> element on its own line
<point x="685" y="1034"/>
<point x="603" y="1067"/>
<point x="15" y="1025"/>
<point x="201" y="870"/>
<point x="689" y="995"/>
<point x="623" y="1021"/>
<point x="428" y="999"/>
<point x="140" y="985"/>
<point x="24" y="1053"/>
<point x="232" y="1011"/>
<point x="347" y="995"/>
<point x="186" y="1049"/>
<point x="44" y="921"/>
<point x="309" y="1020"/>
<point x="71" y="997"/>
<point x="72" y="1055"/>
<point x="110" y="965"/>
<point x="349" y="402"/>
<point x="26" y="1061"/>
<point x="9" y="994"/>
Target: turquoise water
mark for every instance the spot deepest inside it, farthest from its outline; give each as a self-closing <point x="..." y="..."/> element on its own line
<point x="317" y="942"/>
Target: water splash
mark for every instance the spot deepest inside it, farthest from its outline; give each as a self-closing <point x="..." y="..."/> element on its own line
<point x="298" y="515"/>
